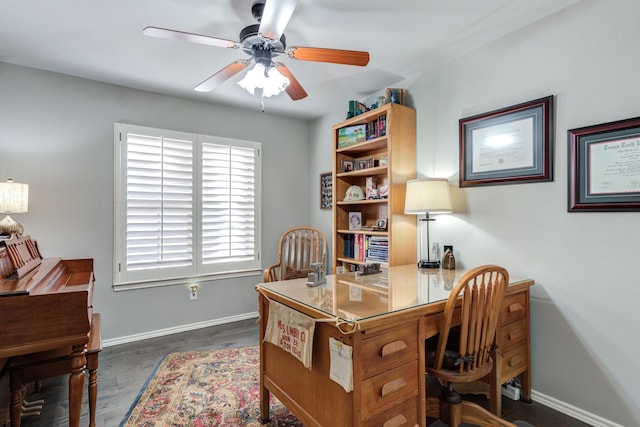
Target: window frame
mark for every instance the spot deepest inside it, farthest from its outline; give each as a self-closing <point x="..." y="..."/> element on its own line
<point x="198" y="271"/>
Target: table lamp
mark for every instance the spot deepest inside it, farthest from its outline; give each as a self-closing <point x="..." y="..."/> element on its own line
<point x="14" y="198"/>
<point x="427" y="196"/>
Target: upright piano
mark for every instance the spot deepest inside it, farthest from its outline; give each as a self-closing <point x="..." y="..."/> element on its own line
<point x="45" y="304"/>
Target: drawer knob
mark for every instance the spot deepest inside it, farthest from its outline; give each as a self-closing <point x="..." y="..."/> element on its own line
<point x="397" y="421"/>
<point x="393" y="347"/>
<point x="393" y="386"/>
<point x="516" y="306"/>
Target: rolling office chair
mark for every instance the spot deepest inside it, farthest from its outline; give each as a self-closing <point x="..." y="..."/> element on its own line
<point x="463" y="352"/>
<point x="298" y="248"/>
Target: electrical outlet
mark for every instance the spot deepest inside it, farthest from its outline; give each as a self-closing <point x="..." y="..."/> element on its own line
<point x="193" y="292"/>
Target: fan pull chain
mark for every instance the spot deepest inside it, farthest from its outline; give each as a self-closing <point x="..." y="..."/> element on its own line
<point x="262" y="103"/>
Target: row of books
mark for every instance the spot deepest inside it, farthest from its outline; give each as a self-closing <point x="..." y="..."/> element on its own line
<point x="377" y="128"/>
<point x="366" y="248"/>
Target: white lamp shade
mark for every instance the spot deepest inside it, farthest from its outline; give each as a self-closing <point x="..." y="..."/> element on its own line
<point x="428" y="195"/>
<point x="271" y="81"/>
<point x="14" y="197"/>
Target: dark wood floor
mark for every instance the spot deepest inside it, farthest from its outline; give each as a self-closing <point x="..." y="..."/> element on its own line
<point x="125" y="368"/>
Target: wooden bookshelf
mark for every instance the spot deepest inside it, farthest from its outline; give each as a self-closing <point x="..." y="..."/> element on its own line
<point x="392" y="148"/>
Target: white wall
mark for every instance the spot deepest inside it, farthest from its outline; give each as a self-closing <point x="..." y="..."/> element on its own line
<point x="321" y="155"/>
<point x="56" y="134"/>
<point x="585" y="317"/>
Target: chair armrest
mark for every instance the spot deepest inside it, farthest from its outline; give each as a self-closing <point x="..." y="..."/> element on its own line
<point x="271" y="273"/>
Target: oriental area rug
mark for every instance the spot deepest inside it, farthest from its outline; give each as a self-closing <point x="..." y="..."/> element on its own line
<point x="205" y="389"/>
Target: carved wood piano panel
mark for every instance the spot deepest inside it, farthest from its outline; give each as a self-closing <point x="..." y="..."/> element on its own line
<point x="46" y="306"/>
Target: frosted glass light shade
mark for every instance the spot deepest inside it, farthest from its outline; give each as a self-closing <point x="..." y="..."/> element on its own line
<point x="271" y="81"/>
<point x="427" y="195"/>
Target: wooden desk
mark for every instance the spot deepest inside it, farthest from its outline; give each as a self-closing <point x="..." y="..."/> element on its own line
<point x="391" y="325"/>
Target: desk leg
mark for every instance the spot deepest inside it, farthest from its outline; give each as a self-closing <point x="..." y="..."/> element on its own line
<point x="264" y="393"/>
<point x="525" y="382"/>
<point x="76" y="384"/>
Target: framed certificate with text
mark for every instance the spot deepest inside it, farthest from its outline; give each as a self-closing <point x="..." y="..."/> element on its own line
<point x="508" y="146"/>
<point x="604" y="167"/>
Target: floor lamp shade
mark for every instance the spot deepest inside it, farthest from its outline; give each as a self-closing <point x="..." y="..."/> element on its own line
<point x="14" y="198"/>
<point x="427" y="196"/>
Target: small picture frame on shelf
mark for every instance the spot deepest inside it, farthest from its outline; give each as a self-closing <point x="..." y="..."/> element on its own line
<point x="381" y="224"/>
<point x="355" y="220"/>
<point x="348" y="166"/>
<point x="362" y="164"/>
<point x="395" y="96"/>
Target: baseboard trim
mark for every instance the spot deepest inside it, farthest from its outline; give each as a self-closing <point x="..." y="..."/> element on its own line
<point x="178" y="329"/>
<point x="572" y="411"/>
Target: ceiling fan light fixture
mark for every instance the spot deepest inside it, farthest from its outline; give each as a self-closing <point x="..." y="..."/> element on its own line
<point x="269" y="79"/>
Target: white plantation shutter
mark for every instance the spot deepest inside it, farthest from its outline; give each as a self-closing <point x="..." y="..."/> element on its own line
<point x="187" y="206"/>
<point x="228" y="203"/>
<point x="159" y="202"/>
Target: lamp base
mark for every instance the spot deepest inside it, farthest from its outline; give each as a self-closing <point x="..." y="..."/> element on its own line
<point x="424" y="263"/>
<point x="8" y="227"/>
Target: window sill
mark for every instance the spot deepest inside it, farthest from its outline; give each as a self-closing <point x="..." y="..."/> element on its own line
<point x="129" y="286"/>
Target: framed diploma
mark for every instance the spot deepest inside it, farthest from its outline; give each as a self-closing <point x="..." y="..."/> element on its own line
<point x="604" y="167"/>
<point x="508" y="146"/>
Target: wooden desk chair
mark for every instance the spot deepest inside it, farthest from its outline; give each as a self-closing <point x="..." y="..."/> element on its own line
<point x="463" y="354"/>
<point x="298" y="248"/>
<point x="39" y="366"/>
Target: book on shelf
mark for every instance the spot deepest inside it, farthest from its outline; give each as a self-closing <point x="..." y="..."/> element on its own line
<point x="366" y="248"/>
<point x="377" y="127"/>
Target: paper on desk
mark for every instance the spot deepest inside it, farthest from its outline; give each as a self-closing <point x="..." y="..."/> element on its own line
<point x="341" y="368"/>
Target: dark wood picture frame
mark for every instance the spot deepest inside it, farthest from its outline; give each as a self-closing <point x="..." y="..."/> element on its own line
<point x="395" y="96"/>
<point x="326" y="190"/>
<point x="511" y="145"/>
<point x="603" y="167"/>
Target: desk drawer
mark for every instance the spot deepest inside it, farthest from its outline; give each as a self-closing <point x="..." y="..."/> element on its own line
<point x="402" y="415"/>
<point x="513" y="308"/>
<point x="388" y="389"/>
<point x="390" y="349"/>
<point x="512" y="335"/>
<point x="513" y="363"/>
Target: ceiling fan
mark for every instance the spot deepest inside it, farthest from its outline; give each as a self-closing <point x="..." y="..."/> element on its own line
<point x="262" y="42"/>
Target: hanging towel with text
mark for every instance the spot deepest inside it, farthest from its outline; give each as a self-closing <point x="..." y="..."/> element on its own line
<point x="292" y="331"/>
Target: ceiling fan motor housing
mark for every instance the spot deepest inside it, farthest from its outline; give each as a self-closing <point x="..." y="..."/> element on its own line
<point x="251" y="41"/>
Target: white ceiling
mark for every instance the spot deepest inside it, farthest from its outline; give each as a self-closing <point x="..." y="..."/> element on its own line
<point x="103" y="41"/>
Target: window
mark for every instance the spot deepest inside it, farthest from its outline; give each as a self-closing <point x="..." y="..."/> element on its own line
<point x="187" y="207"/>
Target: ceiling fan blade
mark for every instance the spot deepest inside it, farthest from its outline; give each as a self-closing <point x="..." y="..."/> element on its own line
<point x="275" y="18"/>
<point x="294" y="90"/>
<point x="222" y="75"/>
<point x="194" y="38"/>
<point x="335" y="56"/>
